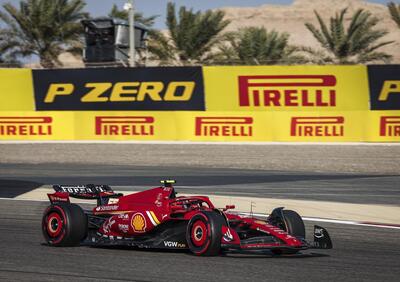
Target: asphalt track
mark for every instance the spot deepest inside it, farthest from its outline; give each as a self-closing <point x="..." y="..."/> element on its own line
<point x="359" y="254"/>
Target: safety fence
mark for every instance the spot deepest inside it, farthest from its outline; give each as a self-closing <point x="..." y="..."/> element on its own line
<point x="253" y="103"/>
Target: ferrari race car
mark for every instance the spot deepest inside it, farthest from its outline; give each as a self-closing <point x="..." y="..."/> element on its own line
<point x="159" y="219"/>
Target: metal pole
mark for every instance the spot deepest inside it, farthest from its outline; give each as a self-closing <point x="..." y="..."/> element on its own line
<point x="131" y="34"/>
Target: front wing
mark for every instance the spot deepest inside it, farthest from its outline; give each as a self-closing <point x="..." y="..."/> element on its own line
<point x="321" y="236"/>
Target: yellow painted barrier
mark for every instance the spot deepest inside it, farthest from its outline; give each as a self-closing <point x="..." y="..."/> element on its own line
<point x="346" y="126"/>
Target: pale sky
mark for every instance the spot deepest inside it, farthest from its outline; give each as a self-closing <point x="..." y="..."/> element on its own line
<point x="158" y="7"/>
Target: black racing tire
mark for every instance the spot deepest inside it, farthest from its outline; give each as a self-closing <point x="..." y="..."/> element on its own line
<point x="204" y="233"/>
<point x="64" y="225"/>
<point x="294" y="224"/>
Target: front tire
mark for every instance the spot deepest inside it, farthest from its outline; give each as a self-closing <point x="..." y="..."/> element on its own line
<point x="204" y="233"/>
<point x="294" y="224"/>
<point x="64" y="225"/>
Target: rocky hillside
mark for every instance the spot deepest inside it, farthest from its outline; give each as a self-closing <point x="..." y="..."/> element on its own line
<point x="291" y="19"/>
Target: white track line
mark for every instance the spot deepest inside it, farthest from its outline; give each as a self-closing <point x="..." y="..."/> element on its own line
<point x="15" y="199"/>
<point x="328" y="220"/>
<point x="316" y="219"/>
<point x="255" y="143"/>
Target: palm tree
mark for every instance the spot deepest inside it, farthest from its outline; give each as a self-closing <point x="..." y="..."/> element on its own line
<point x="395" y="12"/>
<point x="7" y="61"/>
<point x="124" y="15"/>
<point x="44" y="28"/>
<point x="255" y="46"/>
<point x="356" y="44"/>
<point x="191" y="36"/>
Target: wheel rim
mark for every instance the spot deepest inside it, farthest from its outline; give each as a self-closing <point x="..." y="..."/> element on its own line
<point x="199" y="233"/>
<point x="54" y="224"/>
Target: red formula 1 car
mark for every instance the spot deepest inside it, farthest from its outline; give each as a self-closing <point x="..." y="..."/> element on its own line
<point x="157" y="218"/>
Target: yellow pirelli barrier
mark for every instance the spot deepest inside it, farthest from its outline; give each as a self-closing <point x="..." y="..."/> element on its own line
<point x="382" y="126"/>
<point x="350" y="126"/>
<point x="19" y="125"/>
<point x="16" y="90"/>
<point x="286" y="88"/>
<point x="229" y="104"/>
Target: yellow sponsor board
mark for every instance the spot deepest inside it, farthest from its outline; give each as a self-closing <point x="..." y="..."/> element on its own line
<point x="16" y="90"/>
<point x="283" y="88"/>
<point x="244" y="104"/>
<point x="279" y="127"/>
<point x="140" y="126"/>
<point x="382" y="126"/>
<point x="343" y="126"/>
<point x="37" y="126"/>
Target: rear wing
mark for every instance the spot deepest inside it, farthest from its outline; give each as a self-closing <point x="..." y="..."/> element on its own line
<point x="101" y="193"/>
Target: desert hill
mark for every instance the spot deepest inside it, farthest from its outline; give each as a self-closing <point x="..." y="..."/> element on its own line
<point x="291" y="19"/>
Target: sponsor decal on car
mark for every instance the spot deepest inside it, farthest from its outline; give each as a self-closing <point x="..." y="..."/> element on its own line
<point x="83" y="189"/>
<point x="108" y="224"/>
<point x="138" y="222"/>
<point x="76" y="189"/>
<point x="107" y="208"/>
<point x="58" y="199"/>
<point x="317" y="126"/>
<point x="123" y="227"/>
<point x="153" y="218"/>
<point x="26" y="126"/>
<point x="318" y="232"/>
<point x="287" y="90"/>
<point x="113" y="201"/>
<point x="224" y="126"/>
<point x="123" y="216"/>
<point x="172" y="244"/>
<point x="228" y="236"/>
<point x="158" y="201"/>
<point x="390" y="126"/>
<point x="124" y="125"/>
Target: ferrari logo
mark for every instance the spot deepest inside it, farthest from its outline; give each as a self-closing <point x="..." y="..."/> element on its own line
<point x="138" y="222"/>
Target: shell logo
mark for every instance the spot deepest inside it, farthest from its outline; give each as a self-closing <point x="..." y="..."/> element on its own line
<point x="138" y="222"/>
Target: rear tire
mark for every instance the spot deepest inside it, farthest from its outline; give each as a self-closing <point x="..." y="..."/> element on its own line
<point x="64" y="225"/>
<point x="204" y="233"/>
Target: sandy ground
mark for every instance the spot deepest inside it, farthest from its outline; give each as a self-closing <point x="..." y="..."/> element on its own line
<point x="370" y="159"/>
<point x="317" y="209"/>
